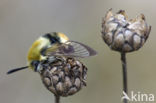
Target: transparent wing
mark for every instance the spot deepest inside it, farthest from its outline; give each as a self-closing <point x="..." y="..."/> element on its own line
<point x="72" y="49"/>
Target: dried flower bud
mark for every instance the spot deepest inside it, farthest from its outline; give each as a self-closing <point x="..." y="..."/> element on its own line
<point x="124" y="35"/>
<point x="65" y="76"/>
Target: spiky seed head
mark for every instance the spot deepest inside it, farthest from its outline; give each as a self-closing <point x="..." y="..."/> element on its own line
<point x="65" y="76"/>
<point x="124" y="35"/>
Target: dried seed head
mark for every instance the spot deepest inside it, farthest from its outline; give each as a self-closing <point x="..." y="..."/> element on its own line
<point x="65" y="76"/>
<point x="124" y="35"/>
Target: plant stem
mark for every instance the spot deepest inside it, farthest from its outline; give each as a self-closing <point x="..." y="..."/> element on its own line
<point x="124" y="70"/>
<point x="57" y="99"/>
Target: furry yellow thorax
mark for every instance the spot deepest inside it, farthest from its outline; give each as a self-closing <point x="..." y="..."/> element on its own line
<point x="34" y="52"/>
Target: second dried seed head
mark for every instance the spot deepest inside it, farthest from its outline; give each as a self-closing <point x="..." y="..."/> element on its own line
<point x="124" y="35"/>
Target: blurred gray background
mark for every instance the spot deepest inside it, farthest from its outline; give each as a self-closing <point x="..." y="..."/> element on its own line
<point x="23" y="21"/>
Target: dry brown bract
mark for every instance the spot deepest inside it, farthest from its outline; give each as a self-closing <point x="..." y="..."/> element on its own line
<point x="65" y="76"/>
<point x="124" y="35"/>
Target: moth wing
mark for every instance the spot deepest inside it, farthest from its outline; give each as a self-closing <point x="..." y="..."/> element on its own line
<point x="72" y="49"/>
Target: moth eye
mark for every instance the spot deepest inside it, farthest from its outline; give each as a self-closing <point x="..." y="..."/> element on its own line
<point x="35" y="64"/>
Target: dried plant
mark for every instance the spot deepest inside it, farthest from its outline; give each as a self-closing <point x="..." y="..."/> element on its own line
<point x="63" y="77"/>
<point x="124" y="35"/>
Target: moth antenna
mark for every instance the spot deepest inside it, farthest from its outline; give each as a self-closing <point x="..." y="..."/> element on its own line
<point x="16" y="69"/>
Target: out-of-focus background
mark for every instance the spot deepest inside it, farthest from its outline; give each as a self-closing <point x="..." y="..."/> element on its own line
<point x="23" y="21"/>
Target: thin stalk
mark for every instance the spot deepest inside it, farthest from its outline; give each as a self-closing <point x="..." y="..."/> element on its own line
<point x="124" y="71"/>
<point x="57" y="99"/>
